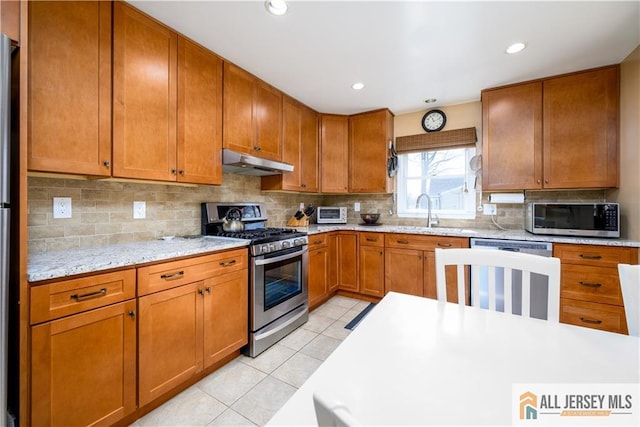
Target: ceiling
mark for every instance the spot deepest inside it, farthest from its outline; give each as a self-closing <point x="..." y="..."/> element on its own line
<point x="404" y="52"/>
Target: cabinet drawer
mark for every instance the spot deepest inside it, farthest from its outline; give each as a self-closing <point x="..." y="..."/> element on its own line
<point x="317" y="241"/>
<point x="591" y="284"/>
<point x="157" y="277"/>
<point x="76" y="295"/>
<point x="593" y="315"/>
<point x="372" y="239"/>
<point x="597" y="256"/>
<point x="420" y="242"/>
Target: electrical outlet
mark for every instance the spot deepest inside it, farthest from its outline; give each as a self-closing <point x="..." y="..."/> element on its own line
<point x="489" y="209"/>
<point x="356" y="206"/>
<point x="139" y="210"/>
<point x="61" y="207"/>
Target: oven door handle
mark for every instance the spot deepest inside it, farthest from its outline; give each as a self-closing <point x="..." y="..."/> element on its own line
<point x="280" y="258"/>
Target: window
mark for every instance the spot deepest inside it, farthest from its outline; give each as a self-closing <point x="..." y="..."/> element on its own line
<point x="444" y="175"/>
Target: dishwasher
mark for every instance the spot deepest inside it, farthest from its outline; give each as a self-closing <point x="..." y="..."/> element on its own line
<point x="539" y="283"/>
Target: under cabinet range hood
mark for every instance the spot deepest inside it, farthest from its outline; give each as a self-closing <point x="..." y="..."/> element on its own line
<point x="245" y="164"/>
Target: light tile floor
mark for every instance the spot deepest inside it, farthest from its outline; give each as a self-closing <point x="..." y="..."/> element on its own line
<point x="247" y="391"/>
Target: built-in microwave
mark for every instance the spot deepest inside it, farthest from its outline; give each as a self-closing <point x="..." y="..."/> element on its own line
<point x="600" y="219"/>
<point x="331" y="215"/>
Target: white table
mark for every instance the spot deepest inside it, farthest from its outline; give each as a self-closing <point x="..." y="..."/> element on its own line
<point x="417" y="361"/>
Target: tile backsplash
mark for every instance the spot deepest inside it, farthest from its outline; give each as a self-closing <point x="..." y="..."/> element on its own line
<point x="102" y="210"/>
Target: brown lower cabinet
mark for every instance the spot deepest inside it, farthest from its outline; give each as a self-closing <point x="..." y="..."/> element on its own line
<point x="590" y="294"/>
<point x="371" y="263"/>
<point x="83" y="357"/>
<point x="410" y="264"/>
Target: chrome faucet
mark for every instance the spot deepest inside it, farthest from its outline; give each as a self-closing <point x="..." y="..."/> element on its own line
<point x="430" y="220"/>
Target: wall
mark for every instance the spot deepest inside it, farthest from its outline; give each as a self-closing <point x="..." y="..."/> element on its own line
<point x="103" y="209"/>
<point x="628" y="195"/>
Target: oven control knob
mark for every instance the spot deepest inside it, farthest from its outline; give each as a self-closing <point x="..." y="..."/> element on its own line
<point x="298" y="242"/>
<point x="286" y="244"/>
<point x="272" y="247"/>
<point x="264" y="249"/>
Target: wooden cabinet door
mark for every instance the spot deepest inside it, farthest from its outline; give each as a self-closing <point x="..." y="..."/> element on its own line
<point x="369" y="136"/>
<point x="309" y="152"/>
<point x="199" y="118"/>
<point x="238" y="127"/>
<point x="267" y="112"/>
<point x="334" y="146"/>
<point x="144" y="96"/>
<point x="291" y="126"/>
<point x="83" y="368"/>
<point x="581" y="129"/>
<point x="332" y="263"/>
<point x="226" y="319"/>
<point x="69" y="96"/>
<point x="10" y="19"/>
<point x="170" y="339"/>
<point x="512" y="137"/>
<point x="371" y="266"/>
<point x="348" y="261"/>
<point x="403" y="271"/>
<point x="318" y="275"/>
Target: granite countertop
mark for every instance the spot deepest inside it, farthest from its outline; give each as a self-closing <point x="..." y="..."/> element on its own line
<point x="467" y="232"/>
<point x="57" y="264"/>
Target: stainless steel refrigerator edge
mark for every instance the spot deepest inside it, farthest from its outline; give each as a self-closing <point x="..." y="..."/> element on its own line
<point x="5" y="214"/>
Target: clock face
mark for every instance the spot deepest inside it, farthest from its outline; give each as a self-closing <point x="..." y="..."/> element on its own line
<point x="433" y="120"/>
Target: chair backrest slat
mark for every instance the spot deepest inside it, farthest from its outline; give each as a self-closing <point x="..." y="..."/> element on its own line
<point x="509" y="262"/>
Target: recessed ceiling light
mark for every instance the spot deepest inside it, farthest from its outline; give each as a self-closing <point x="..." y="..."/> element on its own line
<point x="276" y="7"/>
<point x="357" y="86"/>
<point x="516" y="47"/>
<point x="430" y="100"/>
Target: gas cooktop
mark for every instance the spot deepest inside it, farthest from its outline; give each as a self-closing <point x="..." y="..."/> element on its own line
<point x="261" y="235"/>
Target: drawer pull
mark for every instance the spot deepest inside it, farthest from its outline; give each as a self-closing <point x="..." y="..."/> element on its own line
<point x="317" y="242"/>
<point x="403" y="242"/>
<point x="592" y="321"/>
<point x="208" y="289"/>
<point x="444" y="245"/>
<point x="172" y="276"/>
<point x="132" y="314"/>
<point x="201" y="292"/>
<point x="585" y="256"/>
<point x="228" y="263"/>
<point x="99" y="293"/>
<point x="371" y="239"/>
<point x="591" y="285"/>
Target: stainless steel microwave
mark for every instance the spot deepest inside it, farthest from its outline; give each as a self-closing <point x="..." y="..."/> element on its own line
<point x="331" y="215"/>
<point x="574" y="219"/>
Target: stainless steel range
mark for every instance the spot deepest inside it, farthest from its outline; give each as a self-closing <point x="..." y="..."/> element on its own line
<point x="278" y="273"/>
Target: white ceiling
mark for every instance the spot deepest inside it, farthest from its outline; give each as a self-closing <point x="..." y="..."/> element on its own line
<point x="404" y="51"/>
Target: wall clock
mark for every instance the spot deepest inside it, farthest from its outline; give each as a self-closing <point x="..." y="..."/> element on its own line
<point x="433" y="120"/>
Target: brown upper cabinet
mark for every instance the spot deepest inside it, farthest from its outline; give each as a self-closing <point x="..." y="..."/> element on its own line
<point x="166" y="103"/>
<point x="252" y="115"/>
<point x="334" y="160"/>
<point x="10" y="19"/>
<point x="555" y="133"/>
<point x="69" y="95"/>
<point x="299" y="148"/>
<point x="369" y="137"/>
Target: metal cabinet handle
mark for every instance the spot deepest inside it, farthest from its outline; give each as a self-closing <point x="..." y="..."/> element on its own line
<point x="538" y="181"/>
<point x="317" y="242"/>
<point x="371" y="239"/>
<point x="174" y="171"/>
<point x="228" y="263"/>
<point x="99" y="293"/>
<point x="201" y="292"/>
<point x="592" y="321"/>
<point x="181" y="172"/>
<point x="585" y="256"/>
<point x="208" y="289"/>
<point x="106" y="163"/>
<point x="445" y="245"/>
<point x="132" y="314"/>
<point x="303" y="185"/>
<point x="590" y="285"/>
<point x="172" y="276"/>
<point x="403" y="242"/>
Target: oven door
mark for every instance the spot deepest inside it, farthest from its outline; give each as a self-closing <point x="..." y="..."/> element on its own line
<point x="279" y="284"/>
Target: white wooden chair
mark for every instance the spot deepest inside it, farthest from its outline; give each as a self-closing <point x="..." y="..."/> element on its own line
<point x="508" y="261"/>
<point x="630" y="285"/>
<point x="331" y="412"/>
